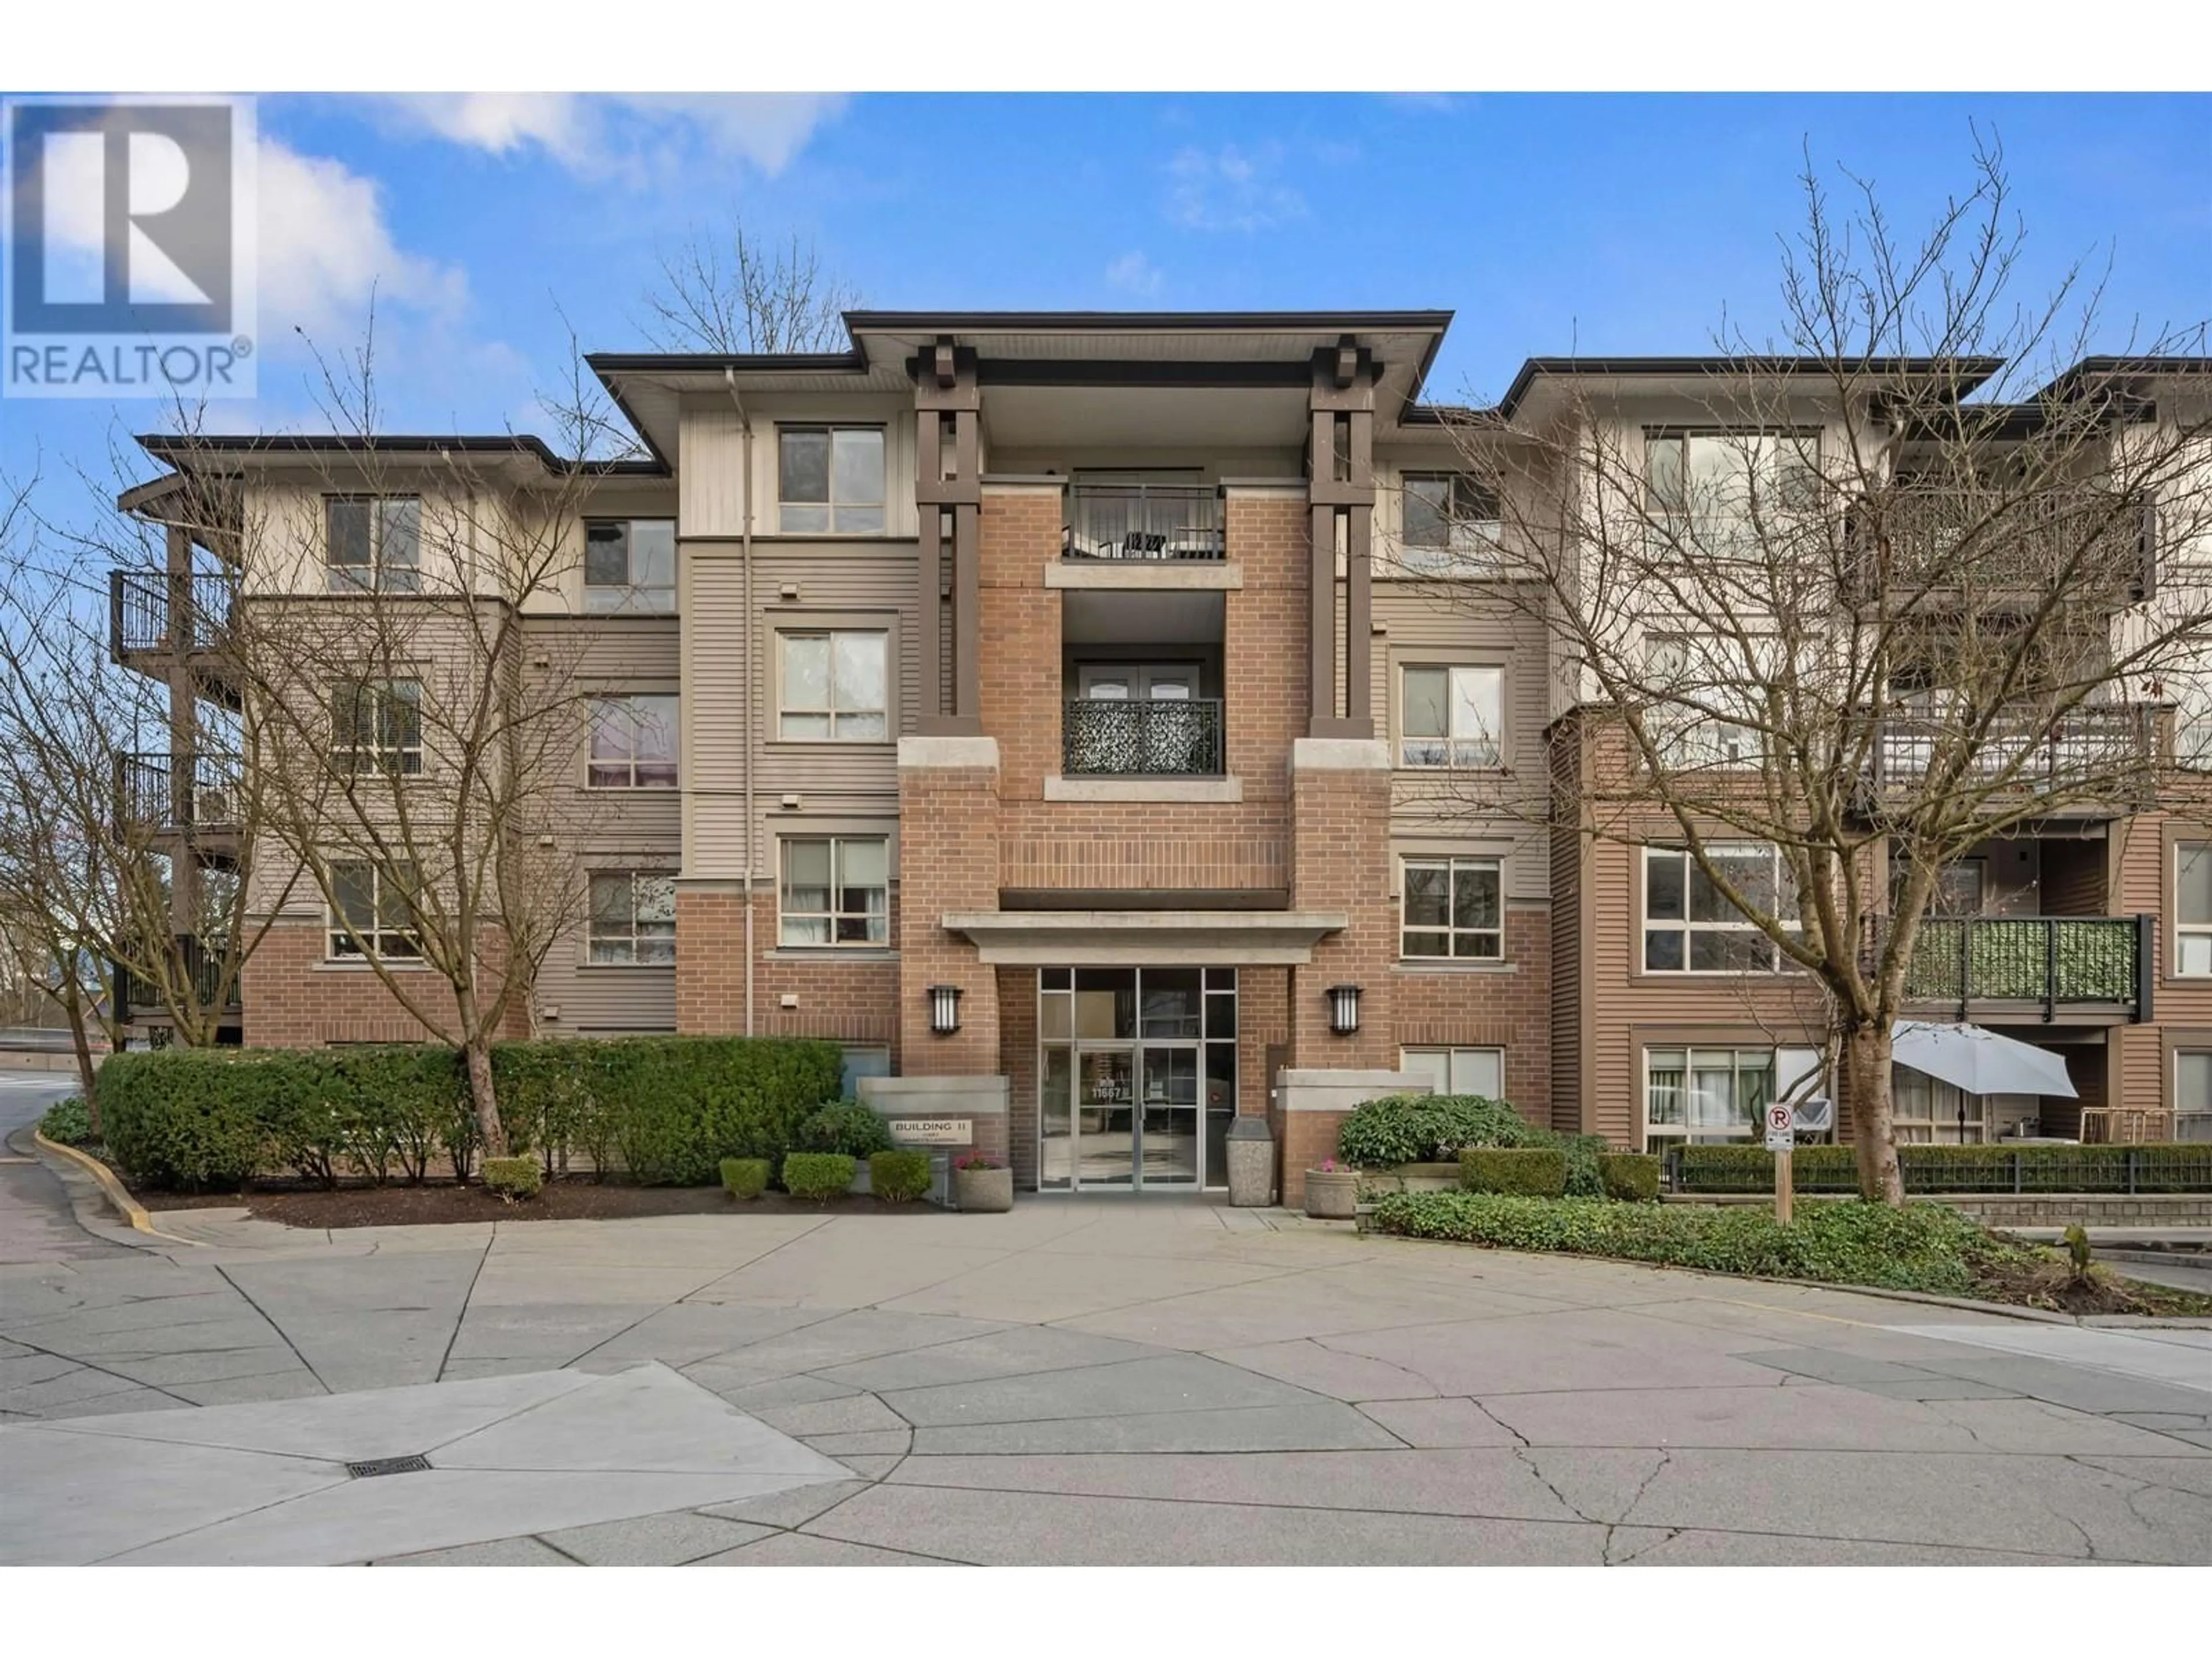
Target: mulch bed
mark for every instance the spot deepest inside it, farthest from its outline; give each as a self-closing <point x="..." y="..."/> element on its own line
<point x="436" y="1202"/>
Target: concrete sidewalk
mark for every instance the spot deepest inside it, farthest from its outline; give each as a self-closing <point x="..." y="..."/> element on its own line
<point x="1079" y="1382"/>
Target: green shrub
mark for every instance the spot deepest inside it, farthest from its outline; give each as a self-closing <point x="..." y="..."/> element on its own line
<point x="818" y="1176"/>
<point x="1632" y="1176"/>
<point x="1430" y="1128"/>
<point x="514" y="1178"/>
<point x="1918" y="1247"/>
<point x="683" y="1104"/>
<point x="847" y="1126"/>
<point x="67" y="1122"/>
<point x="1537" y="1171"/>
<point x="188" y="1118"/>
<point x="898" y="1177"/>
<point x="745" y="1177"/>
<point x="1585" y="1179"/>
<point x="2164" y="1167"/>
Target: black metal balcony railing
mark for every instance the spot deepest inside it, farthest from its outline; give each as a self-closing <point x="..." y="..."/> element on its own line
<point x="2054" y="961"/>
<point x="140" y="603"/>
<point x="1143" y="521"/>
<point x="1946" y="539"/>
<point x="196" y="966"/>
<point x="160" y="791"/>
<point x="1180" y="738"/>
<point x="2105" y="746"/>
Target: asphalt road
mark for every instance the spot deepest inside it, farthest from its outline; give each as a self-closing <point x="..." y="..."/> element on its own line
<point x="36" y="1222"/>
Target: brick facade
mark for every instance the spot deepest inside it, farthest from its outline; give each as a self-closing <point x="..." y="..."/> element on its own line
<point x="948" y="862"/>
<point x="293" y="997"/>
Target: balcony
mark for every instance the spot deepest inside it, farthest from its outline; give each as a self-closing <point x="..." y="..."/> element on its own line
<point x="1989" y="966"/>
<point x="1143" y="521"/>
<point x="137" y="1002"/>
<point x="166" y="795"/>
<point x="1178" y="739"/>
<point x="140" y="620"/>
<point x="1956" y="540"/>
<point x="2105" y="750"/>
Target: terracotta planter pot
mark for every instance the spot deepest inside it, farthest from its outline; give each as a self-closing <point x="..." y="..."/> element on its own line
<point x="990" y="1191"/>
<point x="1332" y="1194"/>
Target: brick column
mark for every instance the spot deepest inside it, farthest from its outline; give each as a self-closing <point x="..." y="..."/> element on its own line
<point x="948" y="862"/>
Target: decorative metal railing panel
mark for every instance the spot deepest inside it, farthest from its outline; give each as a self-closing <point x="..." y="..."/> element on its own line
<point x="139" y="603"/>
<point x="1143" y="521"/>
<point x="1180" y="738"/>
<point x="153" y="791"/>
<point x="1946" y="539"/>
<point x="2056" y="961"/>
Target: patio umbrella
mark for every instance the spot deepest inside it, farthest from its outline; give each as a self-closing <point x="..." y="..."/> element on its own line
<point x="1980" y="1062"/>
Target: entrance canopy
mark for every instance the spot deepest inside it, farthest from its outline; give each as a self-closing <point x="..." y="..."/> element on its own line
<point x="1980" y="1062"/>
<point x="1105" y="938"/>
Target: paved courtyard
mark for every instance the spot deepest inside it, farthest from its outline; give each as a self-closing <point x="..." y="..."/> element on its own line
<point x="1079" y="1382"/>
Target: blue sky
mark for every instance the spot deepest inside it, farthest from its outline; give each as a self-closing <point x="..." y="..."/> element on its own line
<point x="1612" y="223"/>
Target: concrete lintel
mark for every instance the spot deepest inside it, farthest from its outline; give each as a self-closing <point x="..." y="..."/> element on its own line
<point x="1148" y="575"/>
<point x="1265" y="486"/>
<point x="1339" y="755"/>
<point x="917" y="753"/>
<point x="1021" y="483"/>
<point x="1115" y="939"/>
<point x="710" y="883"/>
<point x="1208" y="791"/>
<point x="1309" y="1089"/>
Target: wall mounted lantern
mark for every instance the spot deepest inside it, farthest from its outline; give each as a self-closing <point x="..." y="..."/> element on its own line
<point x="1343" y="1009"/>
<point x="944" y="1009"/>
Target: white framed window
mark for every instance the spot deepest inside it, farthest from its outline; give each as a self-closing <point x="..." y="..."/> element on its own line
<point x="1452" y="909"/>
<point x="2192" y="908"/>
<point x="632" y="920"/>
<point x="1451" y="715"/>
<point x="629" y="566"/>
<point x="372" y="543"/>
<point x="1696" y="681"/>
<point x="2193" y="1094"/>
<point x="376" y="726"/>
<point x="1458" y="1071"/>
<point x="1689" y="927"/>
<point x="633" y="742"/>
<point x="835" y="889"/>
<point x="372" y="912"/>
<point x="1710" y="480"/>
<point x="829" y="480"/>
<point x="1447" y="521"/>
<point x="1701" y="1093"/>
<point x="835" y="686"/>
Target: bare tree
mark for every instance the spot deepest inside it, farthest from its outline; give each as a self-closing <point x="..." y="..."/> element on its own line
<point x="419" y="735"/>
<point x="1897" y="590"/>
<point x="731" y="292"/>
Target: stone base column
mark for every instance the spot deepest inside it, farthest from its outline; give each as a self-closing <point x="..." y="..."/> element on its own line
<point x="1315" y="1104"/>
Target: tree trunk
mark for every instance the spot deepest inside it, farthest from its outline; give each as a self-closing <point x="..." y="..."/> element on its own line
<point x="475" y="1051"/>
<point x="1874" y="1127"/>
<point x="87" y="1072"/>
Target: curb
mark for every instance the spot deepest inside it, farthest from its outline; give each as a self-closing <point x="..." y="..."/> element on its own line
<point x="129" y="1209"/>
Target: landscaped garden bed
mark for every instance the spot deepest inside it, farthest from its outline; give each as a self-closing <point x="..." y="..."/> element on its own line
<point x="1919" y="1247"/>
<point x="440" y="1202"/>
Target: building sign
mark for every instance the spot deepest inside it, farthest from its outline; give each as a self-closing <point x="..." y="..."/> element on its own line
<point x="931" y="1130"/>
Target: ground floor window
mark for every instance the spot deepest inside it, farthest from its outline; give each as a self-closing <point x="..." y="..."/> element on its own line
<point x="863" y="1059"/>
<point x="1136" y="1077"/>
<point x="1928" y="1111"/>
<point x="2193" y="1094"/>
<point x="1458" y="1071"/>
<point x="836" y="891"/>
<point x="1700" y="1094"/>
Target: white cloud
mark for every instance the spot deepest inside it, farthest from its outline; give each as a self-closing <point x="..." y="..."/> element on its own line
<point x="1230" y="189"/>
<point x="326" y="248"/>
<point x="1133" y="273"/>
<point x="624" y="135"/>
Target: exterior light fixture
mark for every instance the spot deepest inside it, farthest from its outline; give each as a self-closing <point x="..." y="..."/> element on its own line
<point x="1343" y="1009"/>
<point x="944" y="1009"/>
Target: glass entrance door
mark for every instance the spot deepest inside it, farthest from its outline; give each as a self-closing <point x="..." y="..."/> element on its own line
<point x="1136" y="1078"/>
<point x="1167" y="1147"/>
<point x="1106" y="1118"/>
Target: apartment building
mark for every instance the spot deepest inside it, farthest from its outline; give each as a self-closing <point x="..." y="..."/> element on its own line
<point x="1124" y="734"/>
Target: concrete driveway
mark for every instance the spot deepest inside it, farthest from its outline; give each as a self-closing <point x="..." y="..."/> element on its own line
<point x="1079" y="1382"/>
<point x="36" y="1222"/>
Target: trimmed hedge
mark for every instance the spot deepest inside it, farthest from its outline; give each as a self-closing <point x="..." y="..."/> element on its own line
<point x="818" y="1176"/>
<point x="1632" y="1178"/>
<point x="847" y="1126"/>
<point x="1534" y="1171"/>
<point x="745" y="1177"/>
<point x="1919" y="1247"/>
<point x="1435" y="1128"/>
<point x="514" y="1178"/>
<point x="666" y="1109"/>
<point x="898" y="1177"/>
<point x="2161" y="1167"/>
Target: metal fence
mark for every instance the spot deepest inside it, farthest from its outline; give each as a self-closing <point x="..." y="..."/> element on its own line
<point x="135" y="998"/>
<point x="1180" y="738"/>
<point x="1930" y="1172"/>
<point x="139" y="604"/>
<point x="2088" y="747"/>
<point x="1143" y="521"/>
<point x="154" y="791"/>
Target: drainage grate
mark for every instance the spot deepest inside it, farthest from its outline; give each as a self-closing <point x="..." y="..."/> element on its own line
<point x="409" y="1465"/>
